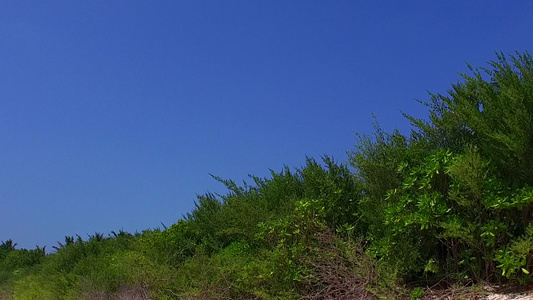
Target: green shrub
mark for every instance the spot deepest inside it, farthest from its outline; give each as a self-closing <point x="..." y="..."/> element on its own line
<point x="47" y="287"/>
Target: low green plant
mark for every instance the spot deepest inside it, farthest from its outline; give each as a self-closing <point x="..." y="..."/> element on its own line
<point x="516" y="259"/>
<point x="417" y="293"/>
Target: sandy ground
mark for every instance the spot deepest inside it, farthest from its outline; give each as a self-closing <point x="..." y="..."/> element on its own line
<point x="526" y="293"/>
<point x="486" y="292"/>
<point x="514" y="296"/>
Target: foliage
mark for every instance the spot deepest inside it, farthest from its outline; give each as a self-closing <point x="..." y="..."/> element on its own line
<point x="516" y="259"/>
<point x="493" y="114"/>
<point x="417" y="293"/>
<point x="453" y="201"/>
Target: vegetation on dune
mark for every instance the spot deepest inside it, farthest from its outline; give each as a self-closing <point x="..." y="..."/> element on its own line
<point x="450" y="202"/>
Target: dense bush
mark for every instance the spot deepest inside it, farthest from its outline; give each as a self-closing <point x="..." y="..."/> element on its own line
<point x="451" y="201"/>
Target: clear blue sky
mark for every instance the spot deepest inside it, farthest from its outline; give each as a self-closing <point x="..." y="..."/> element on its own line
<point x="113" y="113"/>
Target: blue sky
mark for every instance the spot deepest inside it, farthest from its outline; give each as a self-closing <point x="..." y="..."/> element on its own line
<point x="113" y="113"/>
